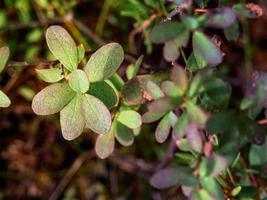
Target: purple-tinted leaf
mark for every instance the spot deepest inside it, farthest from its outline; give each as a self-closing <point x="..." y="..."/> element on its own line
<point x="196" y="114"/>
<point x="166" y="31"/>
<point x="205" y="51"/>
<point x="221" y="17"/>
<point x="250" y="10"/>
<point x="169" y="177"/>
<point x="133" y="91"/>
<point x="105" y="143"/>
<point x="171" y="48"/>
<point x="180" y="126"/>
<point x="179" y="77"/>
<point x="164" y="127"/>
<point x="157" y="109"/>
<point x="194" y="138"/>
<point x="170" y="89"/>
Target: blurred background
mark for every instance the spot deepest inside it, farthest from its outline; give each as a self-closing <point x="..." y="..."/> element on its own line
<point x="35" y="161"/>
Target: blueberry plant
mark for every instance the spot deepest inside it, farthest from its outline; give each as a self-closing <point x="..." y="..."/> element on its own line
<point x="220" y="144"/>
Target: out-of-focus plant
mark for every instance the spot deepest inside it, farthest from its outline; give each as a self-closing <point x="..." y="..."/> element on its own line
<point x="189" y="104"/>
<point x="4" y="54"/>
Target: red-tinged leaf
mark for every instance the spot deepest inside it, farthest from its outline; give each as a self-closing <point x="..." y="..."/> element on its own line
<point x="105" y="144"/>
<point x="220" y="17"/>
<point x="194" y="138"/>
<point x="169" y="177"/>
<point x="164" y="127"/>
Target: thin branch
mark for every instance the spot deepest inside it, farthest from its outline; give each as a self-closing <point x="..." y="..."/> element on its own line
<point x="31" y="64"/>
<point x="70" y="174"/>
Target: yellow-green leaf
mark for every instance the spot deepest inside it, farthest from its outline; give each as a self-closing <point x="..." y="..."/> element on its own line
<point x="4" y="100"/>
<point x="52" y="99"/>
<point x="71" y="119"/>
<point x="130" y="118"/>
<point x="104" y="145"/>
<point x="50" y="75"/>
<point x="62" y="46"/>
<point x="4" y="54"/>
<point x="78" y="81"/>
<point x="97" y="116"/>
<point x="104" y="62"/>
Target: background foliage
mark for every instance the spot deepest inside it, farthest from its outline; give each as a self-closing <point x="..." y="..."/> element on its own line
<point x="157" y="99"/>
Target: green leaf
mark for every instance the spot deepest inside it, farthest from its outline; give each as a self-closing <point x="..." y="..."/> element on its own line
<point x="62" y="46"/>
<point x="164" y="127"/>
<point x="130" y="118"/>
<point x="97" y="116"/>
<point x="243" y="10"/>
<point x="171" y="48"/>
<point x="257" y="154"/>
<point x="193" y="65"/>
<point x="105" y="144"/>
<point x="133" y="69"/>
<point x="78" y="81"/>
<point x="212" y="166"/>
<point x="123" y="134"/>
<point x="4" y="54"/>
<point x="232" y="32"/>
<point x="201" y="194"/>
<point x="212" y="187"/>
<point x="166" y="31"/>
<point x="194" y="138"/>
<point x="205" y="49"/>
<point x="180" y="126"/>
<point x="50" y="75"/>
<point x="104" y="62"/>
<point x="221" y="121"/>
<point x="221" y="17"/>
<point x="190" y="22"/>
<point x="133" y="91"/>
<point x="236" y="190"/>
<point x="169" y="177"/>
<point x="80" y="52"/>
<point x="218" y="92"/>
<point x="196" y="114"/>
<point x="71" y="119"/>
<point x="106" y="92"/>
<point x="154" y="90"/>
<point x="170" y="89"/>
<point x="158" y="109"/>
<point x="179" y="77"/>
<point x="52" y="99"/>
<point x="4" y="100"/>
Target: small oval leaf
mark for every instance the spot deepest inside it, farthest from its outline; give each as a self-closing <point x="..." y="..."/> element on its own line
<point x="4" y="55"/>
<point x="130" y="118"/>
<point x="62" y="46"/>
<point x="205" y="49"/>
<point x="166" y="31"/>
<point x="164" y="127"/>
<point x="123" y="134"/>
<point x="50" y="75"/>
<point x="71" y="119"/>
<point x="97" y="116"/>
<point x="4" y="100"/>
<point x="106" y="92"/>
<point x="220" y="17"/>
<point x="105" y="144"/>
<point x="78" y="81"/>
<point x="52" y="99"/>
<point x="104" y="62"/>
